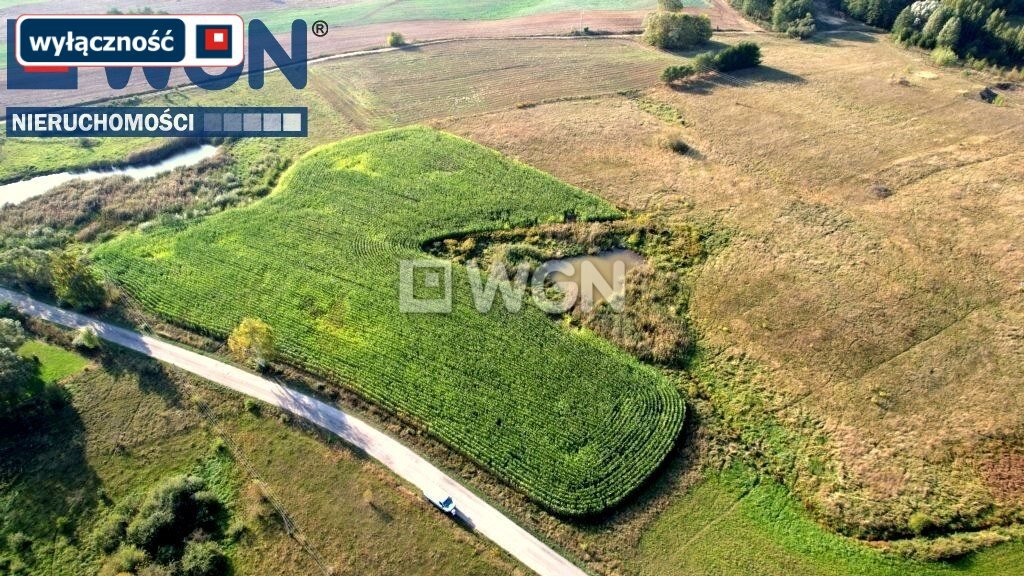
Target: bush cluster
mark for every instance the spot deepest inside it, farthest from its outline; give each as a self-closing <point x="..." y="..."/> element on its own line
<point x="175" y="526"/>
<point x="65" y="274"/>
<point x="24" y="399"/>
<point x="743" y="55"/>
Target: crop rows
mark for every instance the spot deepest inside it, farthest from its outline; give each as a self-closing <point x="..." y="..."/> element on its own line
<point x="573" y="422"/>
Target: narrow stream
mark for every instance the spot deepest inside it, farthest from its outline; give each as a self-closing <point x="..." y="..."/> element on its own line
<point x="17" y="192"/>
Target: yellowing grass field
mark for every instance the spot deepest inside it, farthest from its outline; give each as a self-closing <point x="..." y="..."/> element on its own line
<point x="469" y="77"/>
<point x="871" y="293"/>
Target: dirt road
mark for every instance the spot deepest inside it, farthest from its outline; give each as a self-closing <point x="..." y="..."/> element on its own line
<point x="476" y="513"/>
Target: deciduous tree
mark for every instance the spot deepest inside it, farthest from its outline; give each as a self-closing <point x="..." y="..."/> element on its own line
<point x="253" y="341"/>
<point x="674" y="30"/>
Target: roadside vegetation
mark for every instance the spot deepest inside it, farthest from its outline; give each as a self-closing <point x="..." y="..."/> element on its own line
<point x="146" y="471"/>
<point x="28" y="394"/>
<point x="557" y="412"/>
<point x="395" y="40"/>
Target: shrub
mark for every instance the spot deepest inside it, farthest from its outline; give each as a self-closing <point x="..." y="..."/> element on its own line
<point x="738" y="57"/>
<point x="155" y="570"/>
<point x="395" y="40"/>
<point x="87" y="338"/>
<point x="705" y="62"/>
<point x="171" y="512"/>
<point x="803" y="28"/>
<point x="675" y="144"/>
<point x="944" y="56"/>
<point x="129" y="559"/>
<point x="675" y="30"/>
<point x="673" y="73"/>
<point x="203" y="559"/>
<point x="27" y="268"/>
<point x="15" y="374"/>
<point x="74" y="283"/>
<point x="920" y="523"/>
<point x="252" y="406"/>
<point x="670" y="5"/>
<point x="110" y="532"/>
<point x="12" y="335"/>
<point x="757" y="9"/>
<point x="19" y="542"/>
<point x="786" y="12"/>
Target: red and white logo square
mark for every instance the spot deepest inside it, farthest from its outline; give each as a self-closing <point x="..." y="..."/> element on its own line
<point x="216" y="39"/>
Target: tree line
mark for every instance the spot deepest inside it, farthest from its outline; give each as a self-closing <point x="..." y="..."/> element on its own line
<point x="792" y="17"/>
<point x="977" y="30"/>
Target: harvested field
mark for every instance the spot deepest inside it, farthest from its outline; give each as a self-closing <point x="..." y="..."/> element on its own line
<point x="360" y="93"/>
<point x="92" y="83"/>
<point x="890" y="323"/>
<point x="462" y="78"/>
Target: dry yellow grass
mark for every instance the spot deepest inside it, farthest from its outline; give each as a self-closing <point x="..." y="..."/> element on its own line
<point x="894" y="324"/>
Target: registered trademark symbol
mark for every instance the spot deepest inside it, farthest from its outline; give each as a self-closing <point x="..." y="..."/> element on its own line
<point x="320" y="28"/>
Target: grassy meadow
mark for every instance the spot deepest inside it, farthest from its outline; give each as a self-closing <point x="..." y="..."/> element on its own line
<point x="869" y="299"/>
<point x="735" y="523"/>
<point x="559" y="413"/>
<point x="55" y="363"/>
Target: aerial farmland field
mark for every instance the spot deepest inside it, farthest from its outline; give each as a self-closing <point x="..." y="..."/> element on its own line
<point x="813" y="364"/>
<point x="363" y="12"/>
<point x="575" y="424"/>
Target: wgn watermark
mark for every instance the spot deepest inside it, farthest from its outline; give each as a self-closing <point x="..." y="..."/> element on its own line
<point x="555" y="287"/>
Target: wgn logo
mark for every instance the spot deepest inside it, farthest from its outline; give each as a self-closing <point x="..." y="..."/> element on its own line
<point x="45" y="52"/>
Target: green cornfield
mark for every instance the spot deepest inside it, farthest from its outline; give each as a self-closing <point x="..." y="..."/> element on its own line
<point x="559" y="413"/>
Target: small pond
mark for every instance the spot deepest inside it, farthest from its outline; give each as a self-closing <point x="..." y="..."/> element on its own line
<point x="591" y="275"/>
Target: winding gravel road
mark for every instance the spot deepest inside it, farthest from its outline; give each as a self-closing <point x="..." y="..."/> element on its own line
<point x="401" y="460"/>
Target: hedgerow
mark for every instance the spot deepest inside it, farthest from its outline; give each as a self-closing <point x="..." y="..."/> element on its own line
<point x="560" y="413"/>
